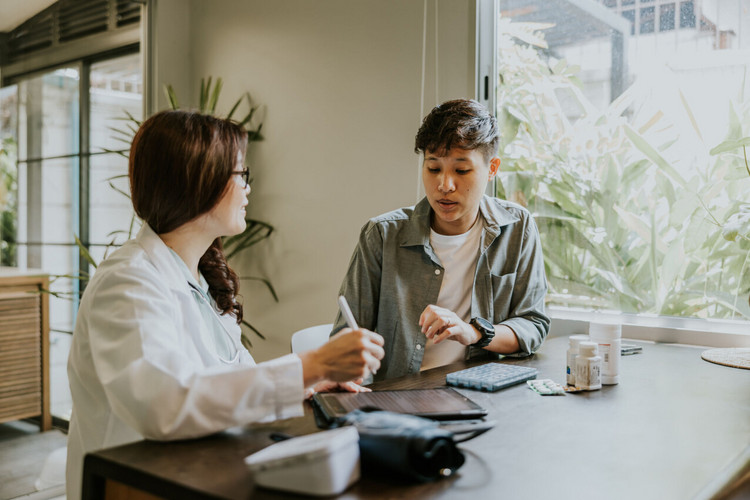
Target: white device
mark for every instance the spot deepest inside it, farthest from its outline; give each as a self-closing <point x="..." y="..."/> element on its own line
<point x="323" y="464"/>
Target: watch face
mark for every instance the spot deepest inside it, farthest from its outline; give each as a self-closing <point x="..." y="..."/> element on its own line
<point x="484" y="324"/>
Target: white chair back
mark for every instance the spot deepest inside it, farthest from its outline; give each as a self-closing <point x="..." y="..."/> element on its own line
<point x="310" y="338"/>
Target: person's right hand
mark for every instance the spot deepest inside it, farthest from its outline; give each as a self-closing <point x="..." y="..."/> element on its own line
<point x="348" y="355"/>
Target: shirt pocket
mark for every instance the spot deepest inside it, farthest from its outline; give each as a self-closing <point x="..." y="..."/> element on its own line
<point x="502" y="293"/>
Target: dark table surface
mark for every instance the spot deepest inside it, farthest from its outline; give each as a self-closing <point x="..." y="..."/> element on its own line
<point x="673" y="428"/>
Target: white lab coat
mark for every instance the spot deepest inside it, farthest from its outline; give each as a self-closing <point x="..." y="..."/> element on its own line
<point x="142" y="365"/>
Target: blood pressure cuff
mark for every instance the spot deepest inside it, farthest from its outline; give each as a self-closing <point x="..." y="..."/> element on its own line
<point x="413" y="448"/>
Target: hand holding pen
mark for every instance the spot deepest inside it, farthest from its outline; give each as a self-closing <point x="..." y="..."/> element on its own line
<point x="348" y="355"/>
<point x="352" y="323"/>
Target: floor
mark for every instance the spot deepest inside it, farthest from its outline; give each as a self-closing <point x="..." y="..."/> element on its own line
<point x="23" y="452"/>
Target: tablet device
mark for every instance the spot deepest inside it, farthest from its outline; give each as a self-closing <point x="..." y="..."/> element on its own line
<point x="442" y="403"/>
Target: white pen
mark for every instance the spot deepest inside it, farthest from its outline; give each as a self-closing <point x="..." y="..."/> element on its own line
<point x="349" y="317"/>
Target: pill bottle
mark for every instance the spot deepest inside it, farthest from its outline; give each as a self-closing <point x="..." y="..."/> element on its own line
<point x="588" y="367"/>
<point x="570" y="368"/>
<point x="607" y="336"/>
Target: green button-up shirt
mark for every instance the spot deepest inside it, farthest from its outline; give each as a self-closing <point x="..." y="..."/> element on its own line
<point x="394" y="274"/>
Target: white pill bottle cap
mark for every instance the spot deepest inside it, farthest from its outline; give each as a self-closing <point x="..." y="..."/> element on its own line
<point x="574" y="340"/>
<point x="588" y="349"/>
<point x="605" y="331"/>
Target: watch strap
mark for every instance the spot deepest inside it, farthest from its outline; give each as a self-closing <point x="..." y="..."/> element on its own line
<point x="485" y="329"/>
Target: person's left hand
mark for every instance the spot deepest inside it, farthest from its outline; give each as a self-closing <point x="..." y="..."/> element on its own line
<point x="330" y="386"/>
<point x="439" y="323"/>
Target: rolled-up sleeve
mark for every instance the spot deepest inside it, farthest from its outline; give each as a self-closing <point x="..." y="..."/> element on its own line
<point x="527" y="316"/>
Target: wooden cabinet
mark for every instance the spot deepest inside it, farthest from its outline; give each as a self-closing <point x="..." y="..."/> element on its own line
<point x="24" y="346"/>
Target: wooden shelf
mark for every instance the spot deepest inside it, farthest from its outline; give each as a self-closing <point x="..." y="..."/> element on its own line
<point x="24" y="347"/>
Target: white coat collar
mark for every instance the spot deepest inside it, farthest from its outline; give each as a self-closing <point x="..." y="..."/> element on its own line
<point x="158" y="253"/>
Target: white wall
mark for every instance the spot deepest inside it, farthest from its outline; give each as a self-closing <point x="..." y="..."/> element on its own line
<point x="341" y="81"/>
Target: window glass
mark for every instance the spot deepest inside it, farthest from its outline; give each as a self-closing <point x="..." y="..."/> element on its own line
<point x="687" y="15"/>
<point x="48" y="202"/>
<point x="629" y="155"/>
<point x="666" y="17"/>
<point x="42" y="114"/>
<point x="647" y="20"/>
<point x="49" y="114"/>
<point x="50" y="207"/>
<point x="116" y="97"/>
<point x="630" y="16"/>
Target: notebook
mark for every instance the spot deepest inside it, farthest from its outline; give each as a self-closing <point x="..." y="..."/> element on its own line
<point x="443" y="403"/>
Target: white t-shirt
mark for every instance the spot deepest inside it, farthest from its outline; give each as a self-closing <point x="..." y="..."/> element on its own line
<point x="458" y="255"/>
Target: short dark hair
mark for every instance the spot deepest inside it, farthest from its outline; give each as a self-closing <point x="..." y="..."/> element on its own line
<point x="181" y="163"/>
<point x="462" y="123"/>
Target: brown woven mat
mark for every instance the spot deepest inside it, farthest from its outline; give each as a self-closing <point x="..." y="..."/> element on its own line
<point x="736" y="357"/>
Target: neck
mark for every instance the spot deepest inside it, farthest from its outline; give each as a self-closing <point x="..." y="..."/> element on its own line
<point x="449" y="229"/>
<point x="190" y="242"/>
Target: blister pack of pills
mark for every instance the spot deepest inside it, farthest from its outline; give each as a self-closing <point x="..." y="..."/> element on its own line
<point x="546" y="387"/>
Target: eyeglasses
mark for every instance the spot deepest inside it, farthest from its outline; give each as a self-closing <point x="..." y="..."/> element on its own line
<point x="245" y="173"/>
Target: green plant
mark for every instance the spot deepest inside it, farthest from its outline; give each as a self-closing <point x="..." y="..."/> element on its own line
<point x="622" y="226"/>
<point x="8" y="202"/>
<point x="737" y="226"/>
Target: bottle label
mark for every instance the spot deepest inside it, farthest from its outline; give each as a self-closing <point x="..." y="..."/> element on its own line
<point x="588" y="373"/>
<point x="610" y="354"/>
<point x="571" y="368"/>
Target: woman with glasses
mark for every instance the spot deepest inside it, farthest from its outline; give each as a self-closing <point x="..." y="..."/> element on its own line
<point x="156" y="350"/>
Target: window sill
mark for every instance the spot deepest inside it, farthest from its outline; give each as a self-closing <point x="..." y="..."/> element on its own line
<point x="663" y="329"/>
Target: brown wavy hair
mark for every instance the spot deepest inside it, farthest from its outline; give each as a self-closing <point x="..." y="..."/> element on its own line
<point x="180" y="166"/>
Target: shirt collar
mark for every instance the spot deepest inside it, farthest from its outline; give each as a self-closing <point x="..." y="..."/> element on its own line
<point x="417" y="231"/>
<point x="158" y="253"/>
<point x="201" y="284"/>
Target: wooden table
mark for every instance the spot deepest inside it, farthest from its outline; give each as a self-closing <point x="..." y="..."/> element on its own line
<point x="675" y="427"/>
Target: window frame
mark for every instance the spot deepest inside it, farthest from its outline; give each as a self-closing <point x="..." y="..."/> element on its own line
<point x="84" y="152"/>
<point x="570" y="320"/>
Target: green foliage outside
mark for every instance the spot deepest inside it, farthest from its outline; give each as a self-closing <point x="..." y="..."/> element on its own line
<point x="624" y="226"/>
<point x="8" y="202"/>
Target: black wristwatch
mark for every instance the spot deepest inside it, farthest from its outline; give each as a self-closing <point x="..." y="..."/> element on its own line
<point x="485" y="328"/>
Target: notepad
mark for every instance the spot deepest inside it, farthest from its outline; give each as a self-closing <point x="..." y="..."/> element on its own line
<point x="442" y="403"/>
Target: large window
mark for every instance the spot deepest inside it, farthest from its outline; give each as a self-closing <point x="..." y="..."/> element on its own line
<point x="70" y="181"/>
<point x="637" y="188"/>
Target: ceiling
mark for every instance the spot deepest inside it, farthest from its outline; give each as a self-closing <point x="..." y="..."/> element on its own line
<point x="15" y="12"/>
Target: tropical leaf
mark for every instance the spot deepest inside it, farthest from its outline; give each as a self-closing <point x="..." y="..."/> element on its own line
<point x="730" y="145"/>
<point x="84" y="251"/>
<point x="171" y="97"/>
<point x="691" y="116"/>
<point x="265" y="282"/>
<point x="653" y="155"/>
<point x="215" y="96"/>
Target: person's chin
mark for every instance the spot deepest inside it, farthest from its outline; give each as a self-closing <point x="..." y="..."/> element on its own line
<point x="447" y="216"/>
<point x="238" y="229"/>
